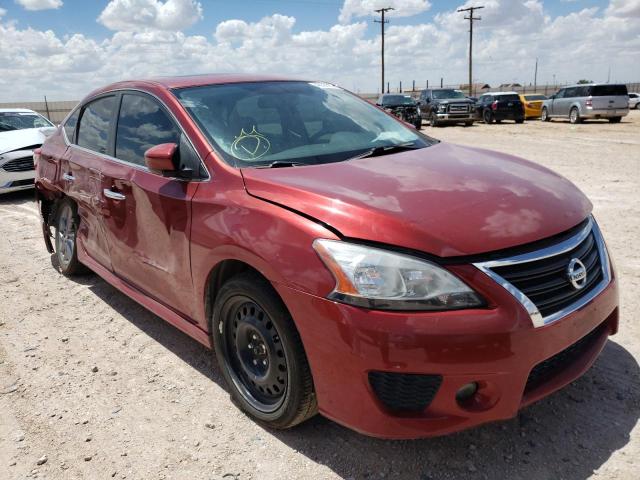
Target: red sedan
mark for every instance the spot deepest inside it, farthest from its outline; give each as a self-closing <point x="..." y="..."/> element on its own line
<point x="336" y="259"/>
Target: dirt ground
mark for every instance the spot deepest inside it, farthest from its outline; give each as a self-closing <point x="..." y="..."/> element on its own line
<point x="93" y="386"/>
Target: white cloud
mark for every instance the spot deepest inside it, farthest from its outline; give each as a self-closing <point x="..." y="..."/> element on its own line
<point x="364" y="8"/>
<point x="40" y="4"/>
<point x="137" y="15"/>
<point x="507" y="40"/>
<point x="624" y="8"/>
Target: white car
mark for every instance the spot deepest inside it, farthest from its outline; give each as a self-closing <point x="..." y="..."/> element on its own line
<point x="634" y="101"/>
<point x="21" y="131"/>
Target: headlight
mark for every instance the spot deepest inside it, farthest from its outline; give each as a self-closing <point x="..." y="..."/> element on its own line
<point x="374" y="278"/>
<point x="442" y="108"/>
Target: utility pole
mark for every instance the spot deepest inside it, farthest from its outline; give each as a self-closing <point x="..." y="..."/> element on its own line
<point x="471" y="19"/>
<point x="382" y="21"/>
<point x="535" y="77"/>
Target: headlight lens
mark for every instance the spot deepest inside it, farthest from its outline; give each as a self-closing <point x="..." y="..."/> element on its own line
<point x="374" y="278"/>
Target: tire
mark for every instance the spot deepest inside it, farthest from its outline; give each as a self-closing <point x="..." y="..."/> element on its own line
<point x="66" y="226"/>
<point x="544" y="116"/>
<point x="520" y="120"/>
<point x="260" y="353"/>
<point x="468" y="124"/>
<point x="615" y="119"/>
<point x="487" y="117"/>
<point x="574" y="115"/>
<point x="433" y="120"/>
<point x="638" y="106"/>
<point x="418" y="124"/>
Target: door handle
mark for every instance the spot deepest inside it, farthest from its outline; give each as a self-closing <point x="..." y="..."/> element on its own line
<point x="113" y="195"/>
<point x="68" y="177"/>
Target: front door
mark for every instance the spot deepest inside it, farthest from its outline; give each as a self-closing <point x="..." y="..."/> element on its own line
<point x="149" y="216"/>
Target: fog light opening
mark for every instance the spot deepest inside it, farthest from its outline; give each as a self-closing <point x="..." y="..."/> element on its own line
<point x="466" y="392"/>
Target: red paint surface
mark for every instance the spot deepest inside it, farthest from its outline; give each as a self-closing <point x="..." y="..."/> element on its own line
<point x="161" y="244"/>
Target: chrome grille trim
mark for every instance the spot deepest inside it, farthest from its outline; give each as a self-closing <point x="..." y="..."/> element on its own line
<point x="569" y="244"/>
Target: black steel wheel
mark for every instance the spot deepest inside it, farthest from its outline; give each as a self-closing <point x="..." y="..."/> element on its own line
<point x="260" y="353"/>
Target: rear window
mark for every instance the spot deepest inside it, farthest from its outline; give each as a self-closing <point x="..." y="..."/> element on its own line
<point x="508" y="98"/>
<point x="608" y="90"/>
<point x="535" y="97"/>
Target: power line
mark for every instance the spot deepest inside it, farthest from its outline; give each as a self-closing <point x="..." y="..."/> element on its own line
<point x="471" y="19"/>
<point x="382" y="21"/>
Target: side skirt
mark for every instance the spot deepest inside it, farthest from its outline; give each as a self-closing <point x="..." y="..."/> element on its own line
<point x="149" y="303"/>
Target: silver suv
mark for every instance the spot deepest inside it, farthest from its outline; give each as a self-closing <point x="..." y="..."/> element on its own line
<point x="580" y="102"/>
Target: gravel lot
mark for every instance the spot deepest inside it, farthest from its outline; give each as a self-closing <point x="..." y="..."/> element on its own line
<point x="93" y="386"/>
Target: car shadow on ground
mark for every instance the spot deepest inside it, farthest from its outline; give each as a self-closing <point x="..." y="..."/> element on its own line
<point x="566" y="436"/>
<point x="21" y="197"/>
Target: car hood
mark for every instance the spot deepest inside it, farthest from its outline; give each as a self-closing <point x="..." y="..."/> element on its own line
<point x="446" y="200"/>
<point x="27" y="137"/>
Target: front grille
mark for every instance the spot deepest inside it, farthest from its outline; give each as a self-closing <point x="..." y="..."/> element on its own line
<point x="458" y="108"/>
<point x="549" y="368"/>
<point x="545" y="281"/>
<point x="23" y="164"/>
<point x="405" y="392"/>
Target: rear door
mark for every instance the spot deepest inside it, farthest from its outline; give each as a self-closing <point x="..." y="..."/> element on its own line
<point x="80" y="174"/>
<point x="148" y="216"/>
<point x="609" y="97"/>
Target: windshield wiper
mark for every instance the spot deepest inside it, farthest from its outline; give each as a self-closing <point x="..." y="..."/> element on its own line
<point x="386" y="150"/>
<point x="281" y="164"/>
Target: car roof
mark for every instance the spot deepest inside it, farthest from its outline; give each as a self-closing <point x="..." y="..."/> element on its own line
<point x="16" y="110"/>
<point x="193" y="81"/>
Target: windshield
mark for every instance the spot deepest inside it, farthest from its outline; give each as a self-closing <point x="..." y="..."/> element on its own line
<point x="397" y="100"/>
<point x="22" y="120"/>
<point x="444" y="94"/>
<point x="261" y="123"/>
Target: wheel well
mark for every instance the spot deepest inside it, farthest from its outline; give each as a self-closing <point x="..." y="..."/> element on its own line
<point x="222" y="272"/>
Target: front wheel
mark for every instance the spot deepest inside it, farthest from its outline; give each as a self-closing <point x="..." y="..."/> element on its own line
<point x="260" y="353"/>
<point x="433" y="120"/>
<point x="418" y="124"/>
<point x="544" y="116"/>
<point x="468" y="124"/>
<point x="66" y="226"/>
<point x="520" y="120"/>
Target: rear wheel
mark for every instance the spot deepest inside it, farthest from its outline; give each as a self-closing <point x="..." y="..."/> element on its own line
<point x="544" y="116"/>
<point x="468" y="124"/>
<point x="520" y="120"/>
<point x="418" y="123"/>
<point x="67" y="222"/>
<point x="615" y="119"/>
<point x="574" y="115"/>
<point x="260" y="353"/>
<point x="487" y="116"/>
<point x="433" y="120"/>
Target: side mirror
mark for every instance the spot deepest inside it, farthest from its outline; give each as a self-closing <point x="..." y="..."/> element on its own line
<point x="160" y="157"/>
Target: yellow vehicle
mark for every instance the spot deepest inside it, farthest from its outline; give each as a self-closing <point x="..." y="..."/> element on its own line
<point x="532" y="104"/>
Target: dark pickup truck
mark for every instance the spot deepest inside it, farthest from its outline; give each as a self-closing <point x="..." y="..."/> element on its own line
<point x="441" y="106"/>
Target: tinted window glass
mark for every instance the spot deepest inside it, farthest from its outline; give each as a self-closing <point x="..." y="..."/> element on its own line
<point x="535" y="97"/>
<point x="606" y="90"/>
<point x="142" y="124"/>
<point x="70" y="125"/>
<point x="570" y="92"/>
<point x="560" y="94"/>
<point x="93" y="131"/>
<point x="633" y="95"/>
<point x="397" y="100"/>
<point x="511" y="97"/>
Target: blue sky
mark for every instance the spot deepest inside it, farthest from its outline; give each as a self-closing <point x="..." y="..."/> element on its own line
<point x="79" y="16"/>
<point x="330" y="40"/>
